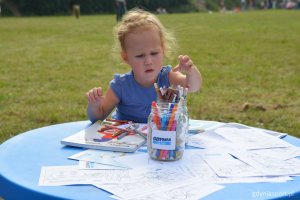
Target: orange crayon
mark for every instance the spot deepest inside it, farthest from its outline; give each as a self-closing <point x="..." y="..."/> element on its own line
<point x="156" y="117"/>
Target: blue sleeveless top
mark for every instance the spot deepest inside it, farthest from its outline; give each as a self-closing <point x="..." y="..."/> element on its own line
<point x="135" y="100"/>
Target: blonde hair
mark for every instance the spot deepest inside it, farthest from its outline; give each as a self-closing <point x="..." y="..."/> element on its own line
<point x="137" y="19"/>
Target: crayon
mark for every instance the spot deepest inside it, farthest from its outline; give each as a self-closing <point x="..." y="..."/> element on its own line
<point x="115" y="127"/>
<point x="159" y="95"/>
<point x="164" y="121"/>
<point x="165" y="154"/>
<point x="122" y="135"/>
<point x="103" y="129"/>
<point x="156" y="118"/>
<point x="162" y="91"/>
<point x="172" y="117"/>
<point x="118" y="121"/>
<point x="140" y="133"/>
<point x="174" y="99"/>
<point x="171" y="106"/>
<point x="161" y="154"/>
<point x="171" y="155"/>
<point x="118" y="132"/>
<point x="157" y="153"/>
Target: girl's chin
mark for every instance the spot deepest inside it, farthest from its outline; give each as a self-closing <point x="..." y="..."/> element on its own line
<point x="148" y="81"/>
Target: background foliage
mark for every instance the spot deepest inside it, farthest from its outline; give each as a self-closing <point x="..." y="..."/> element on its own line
<point x="91" y="7"/>
<point x="63" y="7"/>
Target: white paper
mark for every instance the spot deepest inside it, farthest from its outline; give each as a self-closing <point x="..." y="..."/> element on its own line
<point x="101" y="157"/>
<point x="96" y="166"/>
<point x="152" y="179"/>
<point x="71" y="175"/>
<point x="193" y="160"/>
<point x="195" y="125"/>
<point x="280" y="153"/>
<point x="251" y="138"/>
<point x="139" y="161"/>
<point x="231" y="153"/>
<point x="187" y="192"/>
<point x="269" y="165"/>
<point x="226" y="166"/>
<point x="99" y="153"/>
<point x="209" y="140"/>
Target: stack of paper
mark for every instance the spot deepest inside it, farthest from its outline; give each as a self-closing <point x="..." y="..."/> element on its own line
<point x="236" y="150"/>
<point x="227" y="153"/>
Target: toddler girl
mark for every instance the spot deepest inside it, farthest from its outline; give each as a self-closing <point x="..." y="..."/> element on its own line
<point x="144" y="44"/>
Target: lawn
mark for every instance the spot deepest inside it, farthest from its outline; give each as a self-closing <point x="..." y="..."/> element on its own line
<point x="249" y="61"/>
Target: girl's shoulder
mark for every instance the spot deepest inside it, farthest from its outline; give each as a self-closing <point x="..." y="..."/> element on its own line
<point x="121" y="78"/>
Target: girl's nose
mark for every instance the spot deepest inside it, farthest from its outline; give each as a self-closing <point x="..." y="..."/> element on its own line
<point x="148" y="61"/>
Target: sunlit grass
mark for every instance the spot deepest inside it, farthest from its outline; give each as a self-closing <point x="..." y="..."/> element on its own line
<point x="47" y="64"/>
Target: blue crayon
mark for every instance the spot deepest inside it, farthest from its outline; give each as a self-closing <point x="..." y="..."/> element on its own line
<point x="170" y="107"/>
<point x="171" y="154"/>
<point x="164" y="121"/>
<point x="157" y="153"/>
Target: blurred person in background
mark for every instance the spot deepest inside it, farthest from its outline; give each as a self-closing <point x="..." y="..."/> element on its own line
<point x="121" y="9"/>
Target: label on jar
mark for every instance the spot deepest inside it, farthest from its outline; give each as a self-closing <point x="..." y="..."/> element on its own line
<point x="163" y="139"/>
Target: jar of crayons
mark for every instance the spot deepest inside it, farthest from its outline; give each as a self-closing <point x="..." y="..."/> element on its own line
<point x="167" y="127"/>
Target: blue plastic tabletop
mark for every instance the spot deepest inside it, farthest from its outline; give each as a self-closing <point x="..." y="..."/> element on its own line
<point x="22" y="157"/>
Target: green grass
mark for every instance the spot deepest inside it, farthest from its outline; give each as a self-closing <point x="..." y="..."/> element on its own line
<point x="48" y="63"/>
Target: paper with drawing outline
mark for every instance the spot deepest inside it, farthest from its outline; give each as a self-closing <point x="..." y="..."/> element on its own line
<point x="250" y="138"/>
<point x="152" y="179"/>
<point x="86" y="165"/>
<point x="101" y="157"/>
<point x="71" y="175"/>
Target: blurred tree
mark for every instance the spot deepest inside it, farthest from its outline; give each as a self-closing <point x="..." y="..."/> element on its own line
<point x="64" y="7"/>
<point x="12" y="7"/>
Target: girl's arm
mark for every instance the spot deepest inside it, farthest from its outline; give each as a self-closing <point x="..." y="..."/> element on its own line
<point x="100" y="106"/>
<point x="186" y="74"/>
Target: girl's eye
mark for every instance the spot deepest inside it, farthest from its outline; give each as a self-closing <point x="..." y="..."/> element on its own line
<point x="140" y="56"/>
<point x="154" y="53"/>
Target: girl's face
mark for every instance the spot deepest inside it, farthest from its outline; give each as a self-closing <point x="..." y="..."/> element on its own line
<point x="144" y="53"/>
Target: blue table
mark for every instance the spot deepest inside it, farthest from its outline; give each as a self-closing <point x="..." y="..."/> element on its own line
<point x="22" y="157"/>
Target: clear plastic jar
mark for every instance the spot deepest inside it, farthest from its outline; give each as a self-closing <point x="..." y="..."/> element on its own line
<point x="167" y="127"/>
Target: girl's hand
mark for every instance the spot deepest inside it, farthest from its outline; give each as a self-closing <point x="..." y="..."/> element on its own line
<point x="186" y="74"/>
<point x="185" y="64"/>
<point x="95" y="96"/>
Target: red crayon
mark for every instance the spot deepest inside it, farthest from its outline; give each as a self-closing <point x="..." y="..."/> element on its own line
<point x="156" y="118"/>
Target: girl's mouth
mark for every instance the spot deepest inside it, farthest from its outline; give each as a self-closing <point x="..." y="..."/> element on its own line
<point x="149" y="70"/>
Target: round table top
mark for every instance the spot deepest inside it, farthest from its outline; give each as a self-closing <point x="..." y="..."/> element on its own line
<point x="23" y="156"/>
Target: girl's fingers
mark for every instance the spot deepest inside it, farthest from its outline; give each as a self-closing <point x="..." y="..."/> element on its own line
<point x="90" y="96"/>
<point x="180" y="57"/>
<point x="177" y="68"/>
<point x="94" y="94"/>
<point x="185" y="58"/>
<point x="99" y="91"/>
<point x="190" y="63"/>
<point x="185" y="64"/>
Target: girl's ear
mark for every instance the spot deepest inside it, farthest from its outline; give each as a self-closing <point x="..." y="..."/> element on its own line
<point x="124" y="56"/>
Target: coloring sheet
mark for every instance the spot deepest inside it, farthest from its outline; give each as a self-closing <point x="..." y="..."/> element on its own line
<point x="71" y="175"/>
